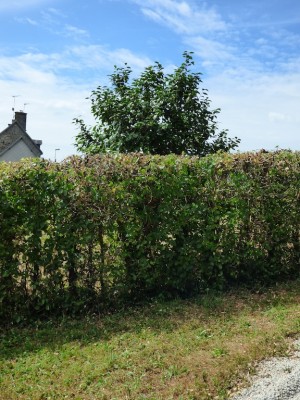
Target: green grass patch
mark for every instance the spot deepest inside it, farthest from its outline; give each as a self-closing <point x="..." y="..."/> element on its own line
<point x="182" y="349"/>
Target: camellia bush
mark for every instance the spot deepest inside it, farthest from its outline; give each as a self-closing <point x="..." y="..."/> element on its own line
<point x="95" y="232"/>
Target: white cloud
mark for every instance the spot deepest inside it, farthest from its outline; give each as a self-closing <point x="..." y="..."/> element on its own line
<point x="97" y="56"/>
<point x="201" y="27"/>
<point x="21" y="71"/>
<point x="152" y="15"/>
<point x="27" y="20"/>
<point x="182" y="17"/>
<point x="210" y="51"/>
<point x="184" y="9"/>
<point x="57" y="12"/>
<point x="53" y="20"/>
<point x="77" y="59"/>
<point x="72" y="31"/>
<point x="261" y="109"/>
<point x="279" y="117"/>
<point x="50" y="18"/>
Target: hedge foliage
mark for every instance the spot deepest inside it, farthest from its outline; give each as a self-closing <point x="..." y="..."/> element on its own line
<point x="90" y="232"/>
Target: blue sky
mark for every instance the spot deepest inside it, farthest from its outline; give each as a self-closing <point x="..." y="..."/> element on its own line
<point x="53" y="53"/>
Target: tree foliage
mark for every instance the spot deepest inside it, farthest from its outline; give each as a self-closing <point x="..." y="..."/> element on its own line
<point x="157" y="113"/>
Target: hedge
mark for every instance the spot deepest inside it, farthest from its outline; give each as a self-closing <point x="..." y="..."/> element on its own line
<point x="92" y="232"/>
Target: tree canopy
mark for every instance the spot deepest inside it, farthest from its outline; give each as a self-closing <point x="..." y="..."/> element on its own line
<point x="156" y="113"/>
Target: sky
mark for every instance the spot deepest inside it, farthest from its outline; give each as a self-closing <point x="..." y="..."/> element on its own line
<point x="53" y="53"/>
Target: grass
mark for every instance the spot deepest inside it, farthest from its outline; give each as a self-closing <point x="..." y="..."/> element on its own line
<point x="184" y="349"/>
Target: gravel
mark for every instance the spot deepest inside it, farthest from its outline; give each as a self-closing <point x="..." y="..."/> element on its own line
<point x="276" y="379"/>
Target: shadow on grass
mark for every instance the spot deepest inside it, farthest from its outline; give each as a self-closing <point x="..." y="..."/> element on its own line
<point x="158" y="317"/>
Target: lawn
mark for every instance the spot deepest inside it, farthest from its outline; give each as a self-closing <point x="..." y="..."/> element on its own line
<point x="201" y="348"/>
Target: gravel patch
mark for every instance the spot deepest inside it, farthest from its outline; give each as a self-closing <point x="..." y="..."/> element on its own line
<point x="276" y="379"/>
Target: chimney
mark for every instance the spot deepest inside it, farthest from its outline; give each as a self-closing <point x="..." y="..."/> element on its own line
<point x="38" y="143"/>
<point x="20" y="117"/>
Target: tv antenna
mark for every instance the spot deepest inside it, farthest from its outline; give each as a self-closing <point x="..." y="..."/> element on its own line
<point x="25" y="104"/>
<point x="55" y="154"/>
<point x="13" y="109"/>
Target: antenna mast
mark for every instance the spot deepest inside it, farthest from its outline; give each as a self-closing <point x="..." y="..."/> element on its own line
<point x="13" y="109"/>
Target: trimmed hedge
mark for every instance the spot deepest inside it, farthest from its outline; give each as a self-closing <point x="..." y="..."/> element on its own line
<point x="94" y="231"/>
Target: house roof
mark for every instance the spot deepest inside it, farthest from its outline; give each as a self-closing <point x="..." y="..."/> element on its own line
<point x="13" y="134"/>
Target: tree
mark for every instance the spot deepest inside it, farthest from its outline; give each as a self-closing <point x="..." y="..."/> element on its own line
<point x="156" y="113"/>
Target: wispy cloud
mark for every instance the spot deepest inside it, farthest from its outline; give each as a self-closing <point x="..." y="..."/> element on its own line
<point x="73" y="31"/>
<point x="18" y="69"/>
<point x="210" y="50"/>
<point x="27" y="20"/>
<point x="97" y="56"/>
<point x="52" y="17"/>
<point x="279" y="117"/>
<point x="53" y="21"/>
<point x="200" y="26"/>
<point x="56" y="11"/>
<point x="77" y="59"/>
<point x="225" y="41"/>
<point x="183" y="17"/>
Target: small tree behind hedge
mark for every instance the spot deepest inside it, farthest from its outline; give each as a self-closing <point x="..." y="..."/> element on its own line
<point x="156" y="113"/>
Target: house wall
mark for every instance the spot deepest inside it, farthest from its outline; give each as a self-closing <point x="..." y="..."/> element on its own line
<point x="18" y="151"/>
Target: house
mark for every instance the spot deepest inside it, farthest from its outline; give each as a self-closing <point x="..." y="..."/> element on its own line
<point x="15" y="143"/>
